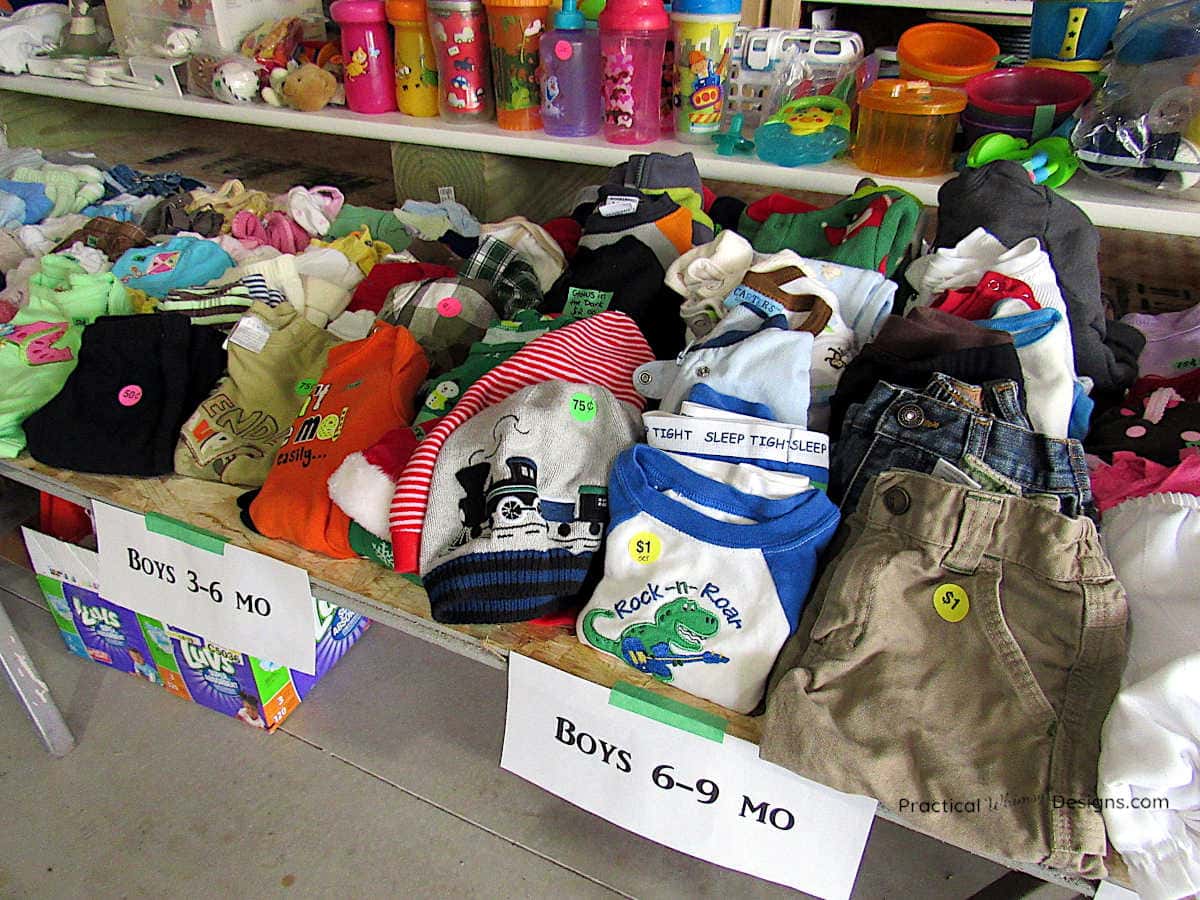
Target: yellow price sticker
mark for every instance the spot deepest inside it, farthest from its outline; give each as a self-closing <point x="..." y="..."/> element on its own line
<point x="951" y="602"/>
<point x="645" y="547"/>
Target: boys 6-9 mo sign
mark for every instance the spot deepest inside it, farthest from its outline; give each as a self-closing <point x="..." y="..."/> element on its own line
<point x="715" y="801"/>
<point x="233" y="597"/>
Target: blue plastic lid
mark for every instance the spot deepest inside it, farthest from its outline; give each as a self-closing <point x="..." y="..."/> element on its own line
<point x="707" y="7"/>
<point x="569" y="18"/>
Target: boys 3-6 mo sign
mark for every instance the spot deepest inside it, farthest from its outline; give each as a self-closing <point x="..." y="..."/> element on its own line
<point x="715" y="801"/>
<point x="235" y="598"/>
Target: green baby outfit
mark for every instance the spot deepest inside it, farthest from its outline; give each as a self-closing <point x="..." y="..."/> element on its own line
<point x="235" y="433"/>
<point x="40" y="346"/>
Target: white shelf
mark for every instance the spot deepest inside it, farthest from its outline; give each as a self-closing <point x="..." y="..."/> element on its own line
<point x="1108" y="205"/>
<point x="1002" y="7"/>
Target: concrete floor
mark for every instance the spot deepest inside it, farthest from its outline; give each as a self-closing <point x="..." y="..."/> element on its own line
<point x="384" y="784"/>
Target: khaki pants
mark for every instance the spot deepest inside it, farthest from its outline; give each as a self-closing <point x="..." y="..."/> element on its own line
<point x="965" y="648"/>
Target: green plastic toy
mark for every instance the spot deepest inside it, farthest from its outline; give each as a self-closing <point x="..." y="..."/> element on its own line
<point x="1050" y="161"/>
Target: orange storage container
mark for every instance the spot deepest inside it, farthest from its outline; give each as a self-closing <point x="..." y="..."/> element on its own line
<point x="906" y="127"/>
<point x="945" y="53"/>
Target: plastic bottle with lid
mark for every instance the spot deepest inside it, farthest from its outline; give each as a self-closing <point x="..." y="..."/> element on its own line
<point x="459" y="32"/>
<point x="367" y="54"/>
<point x="633" y="38"/>
<point x="570" y="54"/>
<point x="516" y="27"/>
<point x="703" y="37"/>
<point x="416" y="64"/>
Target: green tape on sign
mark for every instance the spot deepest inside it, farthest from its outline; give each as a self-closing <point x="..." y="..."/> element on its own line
<point x="669" y="712"/>
<point x="189" y="534"/>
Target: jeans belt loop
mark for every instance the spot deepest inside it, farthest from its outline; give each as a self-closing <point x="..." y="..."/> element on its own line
<point x="1004" y="396"/>
<point x="979" y="428"/>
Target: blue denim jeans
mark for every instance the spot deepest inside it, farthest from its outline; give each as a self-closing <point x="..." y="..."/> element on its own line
<point x="981" y="432"/>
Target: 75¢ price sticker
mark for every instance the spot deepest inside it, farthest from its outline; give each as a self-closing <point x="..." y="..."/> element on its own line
<point x="701" y="792"/>
<point x="196" y="581"/>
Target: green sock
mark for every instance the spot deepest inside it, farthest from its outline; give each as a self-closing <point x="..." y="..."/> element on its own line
<point x="384" y="226"/>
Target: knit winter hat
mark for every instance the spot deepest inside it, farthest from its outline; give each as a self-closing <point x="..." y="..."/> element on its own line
<point x="603" y="349"/>
<point x="519" y="503"/>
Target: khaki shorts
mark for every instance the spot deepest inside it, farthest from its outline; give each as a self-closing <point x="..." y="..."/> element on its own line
<point x="965" y="648"/>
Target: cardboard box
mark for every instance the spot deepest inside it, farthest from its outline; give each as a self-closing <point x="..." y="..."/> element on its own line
<point x="257" y="692"/>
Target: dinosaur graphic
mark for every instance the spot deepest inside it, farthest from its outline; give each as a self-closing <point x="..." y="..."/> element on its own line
<point x="648" y="646"/>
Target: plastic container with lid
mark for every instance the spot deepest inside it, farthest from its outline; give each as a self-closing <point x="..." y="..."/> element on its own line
<point x="633" y="40"/>
<point x="570" y="57"/>
<point x="367" y="55"/>
<point x="516" y="28"/>
<point x="416" y="69"/>
<point x="458" y="29"/>
<point x="703" y="36"/>
<point x="945" y="53"/>
<point x="906" y="128"/>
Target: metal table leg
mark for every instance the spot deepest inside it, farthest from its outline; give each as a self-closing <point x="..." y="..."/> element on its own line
<point x="34" y="693"/>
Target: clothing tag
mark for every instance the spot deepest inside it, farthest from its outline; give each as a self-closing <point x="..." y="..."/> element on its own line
<point x="618" y="206"/>
<point x="584" y="302"/>
<point x="953" y="474"/>
<point x="752" y="298"/>
<point x="445" y="194"/>
<point x="734" y="439"/>
<point x="250" y="332"/>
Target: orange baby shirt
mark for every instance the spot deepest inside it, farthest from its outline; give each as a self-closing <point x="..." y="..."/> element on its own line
<point x="367" y="389"/>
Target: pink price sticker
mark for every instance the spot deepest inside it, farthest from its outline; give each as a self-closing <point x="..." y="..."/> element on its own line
<point x="129" y="395"/>
<point x="449" y="307"/>
<point x="563" y="50"/>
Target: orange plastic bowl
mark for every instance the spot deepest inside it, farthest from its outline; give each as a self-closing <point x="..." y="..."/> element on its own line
<point x="946" y="52"/>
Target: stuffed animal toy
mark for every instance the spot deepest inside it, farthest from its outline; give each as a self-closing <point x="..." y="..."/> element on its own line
<point x="307" y="88"/>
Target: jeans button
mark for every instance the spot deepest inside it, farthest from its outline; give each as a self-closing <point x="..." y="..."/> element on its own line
<point x="910" y="415"/>
<point x="702" y="372"/>
<point x="896" y="501"/>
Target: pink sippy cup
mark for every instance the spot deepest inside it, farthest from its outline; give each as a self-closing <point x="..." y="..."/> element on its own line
<point x="633" y="38"/>
<point x="366" y="55"/>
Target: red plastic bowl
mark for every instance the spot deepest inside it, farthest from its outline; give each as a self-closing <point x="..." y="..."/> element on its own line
<point x="1019" y="92"/>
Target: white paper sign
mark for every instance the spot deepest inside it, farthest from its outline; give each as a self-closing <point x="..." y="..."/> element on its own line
<point x="715" y="801"/>
<point x="233" y="597"/>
